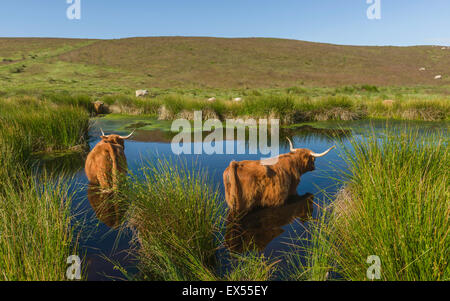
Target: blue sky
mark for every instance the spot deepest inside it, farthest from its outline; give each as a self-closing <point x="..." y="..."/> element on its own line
<point x="403" y="22"/>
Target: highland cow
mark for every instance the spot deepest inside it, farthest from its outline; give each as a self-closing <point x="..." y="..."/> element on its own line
<point x="250" y="184"/>
<point x="107" y="161"/>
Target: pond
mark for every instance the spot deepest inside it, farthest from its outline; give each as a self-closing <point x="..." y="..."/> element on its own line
<point x="270" y="229"/>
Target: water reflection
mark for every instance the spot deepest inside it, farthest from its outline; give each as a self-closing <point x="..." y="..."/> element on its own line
<point x="257" y="229"/>
<point x="310" y="134"/>
<point x="57" y="162"/>
<point x="109" y="209"/>
<point x="164" y="135"/>
<point x="153" y="136"/>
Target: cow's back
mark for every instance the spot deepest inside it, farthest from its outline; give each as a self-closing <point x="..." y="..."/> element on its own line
<point x="249" y="184"/>
<point x="104" y="162"/>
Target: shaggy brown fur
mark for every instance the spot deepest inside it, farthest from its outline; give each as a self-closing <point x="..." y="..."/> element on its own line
<point x="106" y="162"/>
<point x="258" y="228"/>
<point x="99" y="108"/>
<point x="250" y="184"/>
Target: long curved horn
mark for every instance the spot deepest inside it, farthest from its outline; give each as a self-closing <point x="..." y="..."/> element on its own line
<point x="322" y="154"/>
<point x="127" y="137"/>
<point x="291" y="145"/>
<point x="103" y="134"/>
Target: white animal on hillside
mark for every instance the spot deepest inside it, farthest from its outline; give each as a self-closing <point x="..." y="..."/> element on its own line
<point x="237" y="99"/>
<point x="438" y="77"/>
<point x="212" y="99"/>
<point x="140" y="93"/>
<point x="422" y="69"/>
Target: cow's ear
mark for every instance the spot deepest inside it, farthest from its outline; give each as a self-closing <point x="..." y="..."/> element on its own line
<point x="103" y="137"/>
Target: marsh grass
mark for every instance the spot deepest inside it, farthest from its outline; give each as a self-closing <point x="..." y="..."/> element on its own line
<point x="36" y="229"/>
<point x="289" y="108"/>
<point x="250" y="266"/>
<point x="428" y="109"/>
<point x="395" y="205"/>
<point x="31" y="125"/>
<point x="37" y="234"/>
<point x="177" y="216"/>
<point x="313" y="104"/>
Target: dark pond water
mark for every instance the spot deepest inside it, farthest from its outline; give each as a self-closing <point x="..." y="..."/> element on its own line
<point x="270" y="229"/>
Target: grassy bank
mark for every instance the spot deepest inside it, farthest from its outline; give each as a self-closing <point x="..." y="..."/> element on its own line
<point x="290" y="109"/>
<point x="37" y="236"/>
<point x="290" y="105"/>
<point x="395" y="205"/>
<point x="177" y="217"/>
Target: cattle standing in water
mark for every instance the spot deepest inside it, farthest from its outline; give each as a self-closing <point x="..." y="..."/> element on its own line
<point x="250" y="184"/>
<point x="107" y="161"/>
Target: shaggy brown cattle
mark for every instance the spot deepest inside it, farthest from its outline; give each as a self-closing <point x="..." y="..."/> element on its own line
<point x="258" y="228"/>
<point x="100" y="108"/>
<point x="267" y="183"/>
<point x="107" y="161"/>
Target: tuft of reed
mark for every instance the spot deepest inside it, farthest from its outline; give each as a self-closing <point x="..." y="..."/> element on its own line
<point x="177" y="217"/>
<point x="32" y="125"/>
<point x="176" y="214"/>
<point x="37" y="235"/>
<point x="431" y="109"/>
<point x="36" y="230"/>
<point x="250" y="267"/>
<point x="394" y="205"/>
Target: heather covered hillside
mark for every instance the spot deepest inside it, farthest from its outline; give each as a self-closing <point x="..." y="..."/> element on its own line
<point x="190" y="62"/>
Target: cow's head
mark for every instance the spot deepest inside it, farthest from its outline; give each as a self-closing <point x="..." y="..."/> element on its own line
<point x="306" y="156"/>
<point x="115" y="139"/>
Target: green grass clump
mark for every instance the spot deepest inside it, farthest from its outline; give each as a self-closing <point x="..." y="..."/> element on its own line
<point x="177" y="216"/>
<point x="35" y="225"/>
<point x="31" y="125"/>
<point x="416" y="108"/>
<point x="15" y="146"/>
<point x="77" y="100"/>
<point x="395" y="205"/>
<point x="250" y="267"/>
<point x="36" y="231"/>
<point x="265" y="105"/>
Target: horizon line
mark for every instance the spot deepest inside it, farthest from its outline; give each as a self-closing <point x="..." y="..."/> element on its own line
<point x="217" y="37"/>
